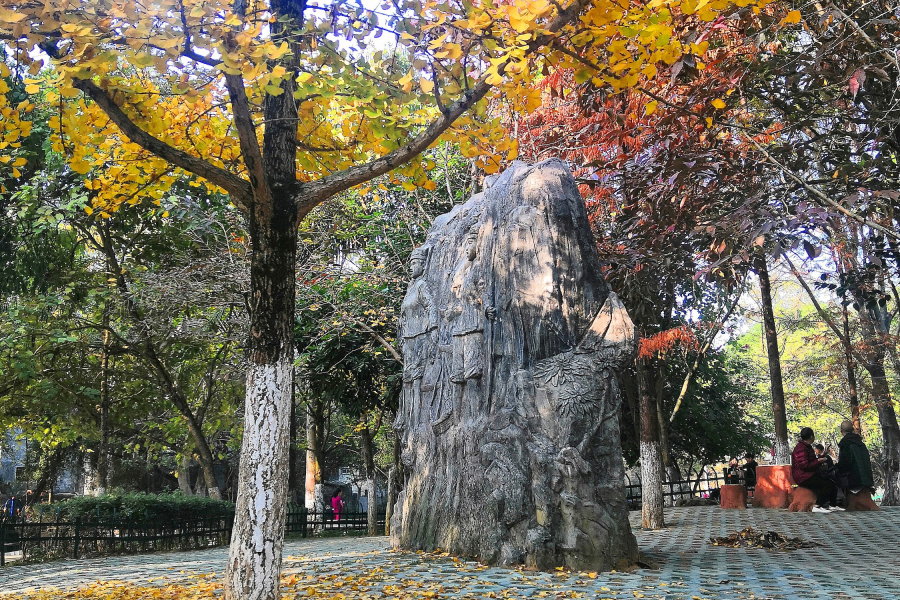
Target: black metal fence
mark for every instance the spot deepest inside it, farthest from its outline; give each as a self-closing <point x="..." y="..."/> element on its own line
<point x="704" y="484"/>
<point x="33" y="540"/>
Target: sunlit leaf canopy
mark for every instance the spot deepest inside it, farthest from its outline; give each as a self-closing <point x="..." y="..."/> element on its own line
<point x="366" y="77"/>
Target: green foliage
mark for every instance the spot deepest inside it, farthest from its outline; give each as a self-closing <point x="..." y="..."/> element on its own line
<point x="145" y="507"/>
<point x="716" y="420"/>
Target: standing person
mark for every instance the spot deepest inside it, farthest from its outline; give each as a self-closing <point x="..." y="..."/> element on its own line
<point x="337" y="505"/>
<point x="12" y="507"/>
<point x="854" y="466"/>
<point x="804" y="467"/>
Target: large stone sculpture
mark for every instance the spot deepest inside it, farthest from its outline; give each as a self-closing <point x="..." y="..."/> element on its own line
<point x="508" y="417"/>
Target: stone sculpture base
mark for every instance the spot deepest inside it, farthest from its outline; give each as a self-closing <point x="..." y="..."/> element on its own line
<point x="508" y="418"/>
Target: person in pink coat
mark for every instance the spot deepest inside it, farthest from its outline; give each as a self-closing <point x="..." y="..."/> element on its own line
<point x="337" y="505"/>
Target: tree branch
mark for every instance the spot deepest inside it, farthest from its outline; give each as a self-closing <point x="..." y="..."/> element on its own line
<point x="818" y="195"/>
<point x="243" y="123"/>
<point x="315" y="192"/>
<point x="240" y="190"/>
<point x="820" y="310"/>
<point x="700" y="355"/>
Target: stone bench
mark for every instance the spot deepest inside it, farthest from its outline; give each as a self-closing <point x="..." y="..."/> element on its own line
<point x="733" y="496"/>
<point x="861" y="501"/>
<point x="773" y="486"/>
<point x="802" y="500"/>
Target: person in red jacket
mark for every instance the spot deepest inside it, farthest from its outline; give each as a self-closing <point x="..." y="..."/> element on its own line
<point x="804" y="467"/>
<point x="337" y="505"/>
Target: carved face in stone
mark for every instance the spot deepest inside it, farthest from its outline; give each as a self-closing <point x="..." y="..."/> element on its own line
<point x="471" y="244"/>
<point x="417" y="262"/>
<point x="417" y="267"/>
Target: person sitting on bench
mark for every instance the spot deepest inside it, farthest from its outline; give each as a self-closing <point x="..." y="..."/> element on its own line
<point x="854" y="468"/>
<point x="804" y="467"/>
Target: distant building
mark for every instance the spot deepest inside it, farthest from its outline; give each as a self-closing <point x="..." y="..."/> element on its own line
<point x="352" y="480"/>
<point x="13" y="448"/>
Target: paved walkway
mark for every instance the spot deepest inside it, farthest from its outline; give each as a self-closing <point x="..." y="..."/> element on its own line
<point x="858" y="559"/>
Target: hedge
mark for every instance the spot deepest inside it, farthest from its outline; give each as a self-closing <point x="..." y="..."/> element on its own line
<point x="141" y="507"/>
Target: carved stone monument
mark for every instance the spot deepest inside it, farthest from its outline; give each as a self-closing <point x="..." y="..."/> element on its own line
<point x="508" y="418"/>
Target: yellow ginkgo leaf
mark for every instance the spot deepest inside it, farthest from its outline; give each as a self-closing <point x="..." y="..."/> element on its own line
<point x="651" y="107"/>
<point x="792" y="17"/>
<point x="426" y="84"/>
<point x="718" y="103"/>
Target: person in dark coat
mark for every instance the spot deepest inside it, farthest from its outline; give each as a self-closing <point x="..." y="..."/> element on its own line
<point x="804" y="470"/>
<point x="821" y="453"/>
<point x="750" y="470"/>
<point x="854" y="465"/>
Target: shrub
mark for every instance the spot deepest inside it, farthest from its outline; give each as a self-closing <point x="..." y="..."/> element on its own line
<point x="144" y="507"/>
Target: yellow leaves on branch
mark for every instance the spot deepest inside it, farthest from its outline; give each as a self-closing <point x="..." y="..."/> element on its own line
<point x="163" y="62"/>
<point x="14" y="125"/>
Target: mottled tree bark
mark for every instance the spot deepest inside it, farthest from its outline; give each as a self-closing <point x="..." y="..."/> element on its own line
<point x="395" y="482"/>
<point x="314" y="437"/>
<point x="254" y="559"/>
<point x="368" y="456"/>
<point x="184" y="475"/>
<point x="292" y="440"/>
<point x="776" y="384"/>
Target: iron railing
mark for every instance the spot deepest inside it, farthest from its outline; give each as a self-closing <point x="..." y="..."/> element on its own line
<point x="50" y="536"/>
<point x="704" y="483"/>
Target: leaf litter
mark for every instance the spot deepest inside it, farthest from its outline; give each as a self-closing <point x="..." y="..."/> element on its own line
<point x="769" y="540"/>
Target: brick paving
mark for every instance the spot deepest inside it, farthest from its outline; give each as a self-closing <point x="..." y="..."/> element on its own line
<point x="857" y="558"/>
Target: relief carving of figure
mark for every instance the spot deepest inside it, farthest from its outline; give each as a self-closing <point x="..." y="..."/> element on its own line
<point x="465" y="315"/>
<point x="418" y="329"/>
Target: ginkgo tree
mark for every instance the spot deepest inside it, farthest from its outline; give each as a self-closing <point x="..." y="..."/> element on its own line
<point x="284" y="104"/>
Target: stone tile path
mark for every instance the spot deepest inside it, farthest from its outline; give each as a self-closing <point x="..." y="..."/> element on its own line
<point x="858" y="558"/>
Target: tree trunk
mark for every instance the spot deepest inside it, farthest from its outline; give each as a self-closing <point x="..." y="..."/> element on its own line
<point x="103" y="452"/>
<point x="776" y="385"/>
<point x="651" y="457"/>
<point x="851" y="372"/>
<point x="634" y="409"/>
<point x="184" y="475"/>
<point x="890" y="431"/>
<point x="314" y="426"/>
<point x="881" y="396"/>
<point x="394" y="484"/>
<point x="254" y="559"/>
<point x="368" y="455"/>
<point x="662" y="424"/>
